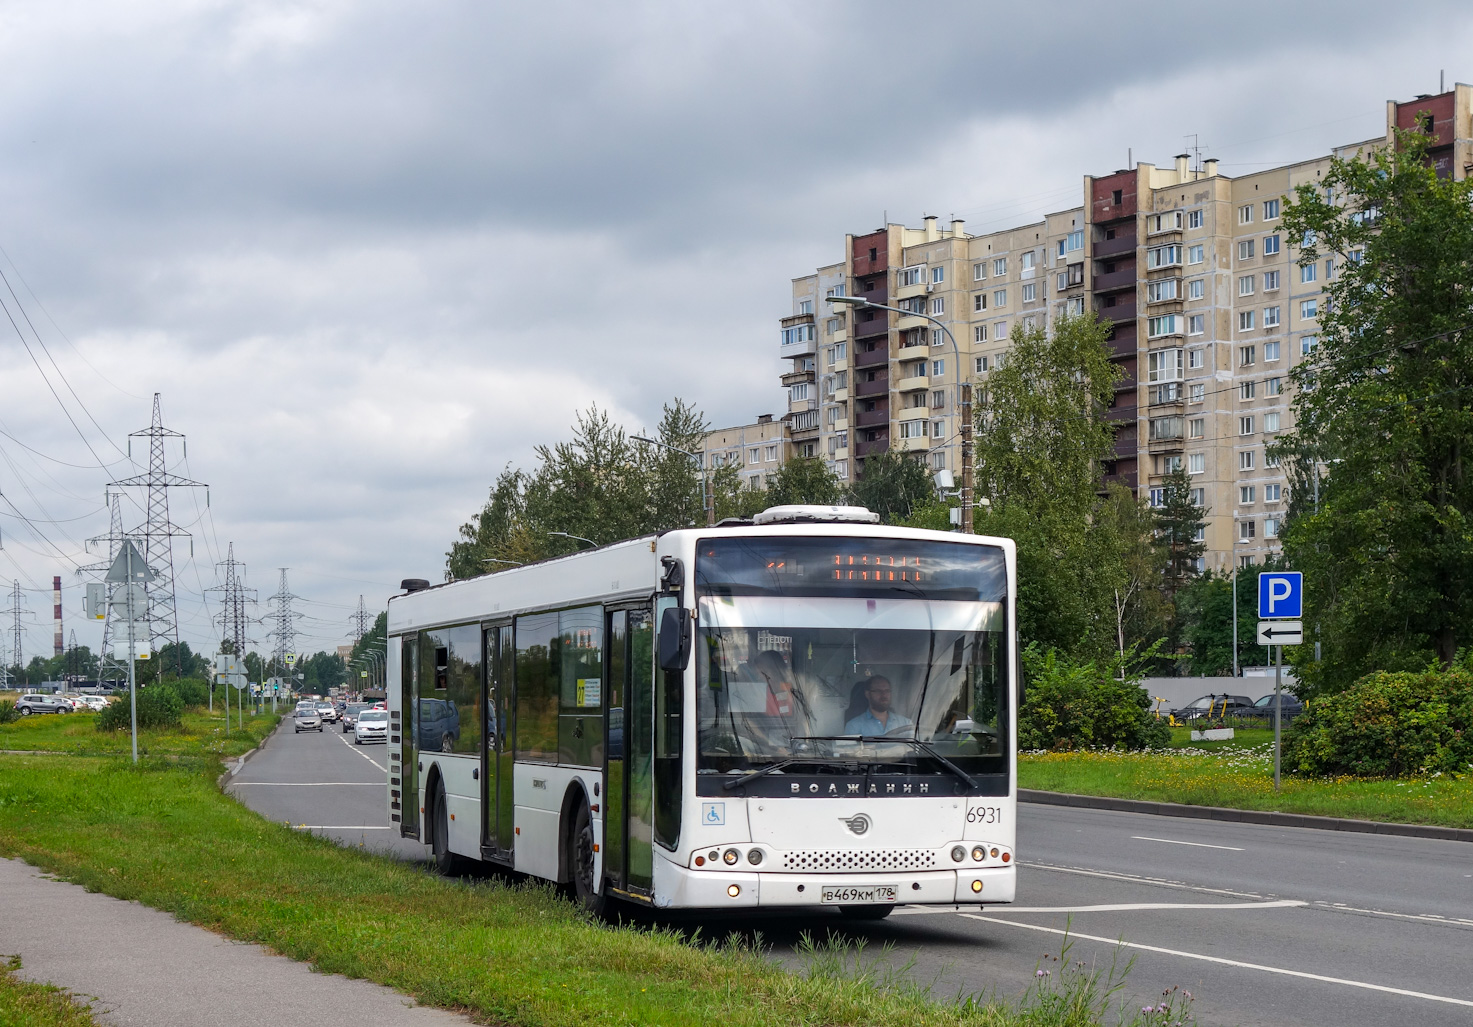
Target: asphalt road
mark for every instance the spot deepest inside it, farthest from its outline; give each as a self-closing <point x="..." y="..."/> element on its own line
<point x="1264" y="925"/>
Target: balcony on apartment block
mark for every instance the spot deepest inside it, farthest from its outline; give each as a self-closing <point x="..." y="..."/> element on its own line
<point x="913" y="384"/>
<point x="911" y="445"/>
<point x="879" y="324"/>
<point x="874" y="358"/>
<point x="878" y="387"/>
<point x="863" y="449"/>
<point x="1124" y="242"/>
<point x="1121" y="278"/>
<point x="871" y="418"/>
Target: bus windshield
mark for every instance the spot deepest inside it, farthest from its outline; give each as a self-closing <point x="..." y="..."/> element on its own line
<point x="794" y="669"/>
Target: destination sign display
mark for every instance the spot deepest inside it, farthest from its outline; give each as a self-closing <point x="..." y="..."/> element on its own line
<point x="820" y="566"/>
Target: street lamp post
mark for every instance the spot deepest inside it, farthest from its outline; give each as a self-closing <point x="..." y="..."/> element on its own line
<point x="1236" y="561"/>
<point x="580" y="538"/>
<point x="709" y="504"/>
<point x="964" y="396"/>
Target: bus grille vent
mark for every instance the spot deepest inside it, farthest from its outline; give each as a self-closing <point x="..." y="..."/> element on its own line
<point x="818" y="861"/>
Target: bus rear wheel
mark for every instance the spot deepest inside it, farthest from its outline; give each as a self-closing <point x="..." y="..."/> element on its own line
<point x="877" y="912"/>
<point x="581" y="863"/>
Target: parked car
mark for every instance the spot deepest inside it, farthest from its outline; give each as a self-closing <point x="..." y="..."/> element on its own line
<point x="1219" y="704"/>
<point x="350" y="715"/>
<point x="306" y="718"/>
<point x="371" y="726"/>
<point x="327" y="711"/>
<point x="96" y="702"/>
<point x="1289" y="705"/>
<point x="35" y="702"/>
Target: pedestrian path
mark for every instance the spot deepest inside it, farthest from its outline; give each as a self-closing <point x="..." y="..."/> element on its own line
<point x="147" y="969"/>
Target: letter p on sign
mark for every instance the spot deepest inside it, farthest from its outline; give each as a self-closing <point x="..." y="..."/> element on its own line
<point x="1280" y="594"/>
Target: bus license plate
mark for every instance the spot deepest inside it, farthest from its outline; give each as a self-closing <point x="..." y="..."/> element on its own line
<point x="849" y="895"/>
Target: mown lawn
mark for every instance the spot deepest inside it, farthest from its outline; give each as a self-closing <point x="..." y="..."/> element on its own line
<point x="202" y="734"/>
<point x="24" y="1004"/>
<point x="1239" y="774"/>
<point x="507" y="953"/>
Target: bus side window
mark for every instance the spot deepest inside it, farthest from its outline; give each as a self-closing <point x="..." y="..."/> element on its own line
<point x="669" y="736"/>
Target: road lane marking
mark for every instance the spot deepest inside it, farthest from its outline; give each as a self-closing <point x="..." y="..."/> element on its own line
<point x="1283" y="971"/>
<point x="1431" y="918"/>
<point x="359" y="752"/>
<point x="1173" y="841"/>
<point x="336" y="827"/>
<point x="310" y="784"/>
<point x="1158" y="882"/>
<point x="1125" y="907"/>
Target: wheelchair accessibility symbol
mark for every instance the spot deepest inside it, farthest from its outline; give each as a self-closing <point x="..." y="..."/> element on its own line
<point x="713" y="813"/>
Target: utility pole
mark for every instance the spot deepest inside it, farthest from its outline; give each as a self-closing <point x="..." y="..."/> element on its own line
<point x="967" y="490"/>
<point x="17" y="631"/>
<point x="157" y="533"/>
<point x="360" y="620"/>
<point x="56" y="643"/>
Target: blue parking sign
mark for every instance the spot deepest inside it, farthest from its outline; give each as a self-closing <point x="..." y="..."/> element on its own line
<point x="1280" y="594"/>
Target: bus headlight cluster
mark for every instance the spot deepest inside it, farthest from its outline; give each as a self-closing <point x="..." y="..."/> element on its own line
<point x="979" y="853"/>
<point x="731" y="856"/>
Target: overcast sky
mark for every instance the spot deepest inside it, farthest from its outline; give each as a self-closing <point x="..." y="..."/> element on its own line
<point x="371" y="252"/>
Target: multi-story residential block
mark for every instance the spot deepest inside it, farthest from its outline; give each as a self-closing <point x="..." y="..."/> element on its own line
<point x="759" y="449"/>
<point x="1208" y="308"/>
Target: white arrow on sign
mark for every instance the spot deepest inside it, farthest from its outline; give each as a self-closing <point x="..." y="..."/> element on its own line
<point x="1280" y="632"/>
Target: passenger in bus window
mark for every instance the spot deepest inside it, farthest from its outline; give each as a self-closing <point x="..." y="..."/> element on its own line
<point x="878" y="718"/>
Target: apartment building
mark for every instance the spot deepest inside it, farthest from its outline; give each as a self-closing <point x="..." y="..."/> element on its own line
<point x="1207" y="305"/>
<point x="759" y="449"/>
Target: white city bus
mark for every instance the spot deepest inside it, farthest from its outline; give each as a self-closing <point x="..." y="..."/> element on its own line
<point x="811" y="709"/>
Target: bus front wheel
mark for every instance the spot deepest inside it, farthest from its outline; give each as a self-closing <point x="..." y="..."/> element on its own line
<point x="446" y="862"/>
<point x="581" y="863"/>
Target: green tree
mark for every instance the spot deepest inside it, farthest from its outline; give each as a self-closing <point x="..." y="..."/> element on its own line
<point x="1384" y="417"/>
<point x="1179" y="522"/>
<point x="1125" y="530"/>
<point x="805" y="479"/>
<point x="733" y="496"/>
<point x="1205" y="614"/>
<point x="1041" y="437"/>
<point x="893" y="485"/>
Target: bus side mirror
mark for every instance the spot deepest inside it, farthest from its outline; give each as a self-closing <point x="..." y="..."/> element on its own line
<point x="674" y="639"/>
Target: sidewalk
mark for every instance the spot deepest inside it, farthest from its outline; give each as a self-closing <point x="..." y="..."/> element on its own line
<point x="147" y="969"/>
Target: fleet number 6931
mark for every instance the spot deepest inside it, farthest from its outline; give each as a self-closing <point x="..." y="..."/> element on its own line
<point x="984" y="814"/>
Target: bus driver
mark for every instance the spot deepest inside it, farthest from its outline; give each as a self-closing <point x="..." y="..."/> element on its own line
<point x="878" y="718"/>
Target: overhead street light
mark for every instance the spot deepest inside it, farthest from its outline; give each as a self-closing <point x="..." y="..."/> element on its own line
<point x="580" y="538"/>
<point x="710" y="506"/>
<point x="964" y="394"/>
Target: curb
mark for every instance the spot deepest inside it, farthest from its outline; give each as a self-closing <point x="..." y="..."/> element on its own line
<point x="1245" y="816"/>
<point x="237" y="764"/>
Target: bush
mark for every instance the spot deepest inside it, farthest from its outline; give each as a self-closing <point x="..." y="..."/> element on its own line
<point x="1084" y="705"/>
<point x="1387" y="725"/>
<point x="192" y="691"/>
<point x="158" y="706"/>
<point x="7" y="712"/>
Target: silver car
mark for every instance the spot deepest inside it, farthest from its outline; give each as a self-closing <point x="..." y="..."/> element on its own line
<point x="371" y="726"/>
<point x="35" y="702"/>
<point x="306" y="719"/>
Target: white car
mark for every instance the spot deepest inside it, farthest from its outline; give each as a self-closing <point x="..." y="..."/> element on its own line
<point x="371" y="726"/>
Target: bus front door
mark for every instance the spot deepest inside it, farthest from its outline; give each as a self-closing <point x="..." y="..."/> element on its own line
<point x="629" y="745"/>
<point x="496" y="755"/>
<point x="406" y="729"/>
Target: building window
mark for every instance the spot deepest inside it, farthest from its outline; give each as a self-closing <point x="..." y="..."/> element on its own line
<point x="1000" y="298"/>
<point x="1195" y="289"/>
<point x="1197" y="463"/>
<point x="1246" y="530"/>
<point x="1270" y="459"/>
<point x="841" y="469"/>
<point x="1274" y="386"/>
<point x="938" y="305"/>
<point x="1245" y="494"/>
<point x="1194" y="359"/>
<point x="937" y="337"/>
<point x="1247" y="356"/>
<point x="798" y="392"/>
<point x="837" y="290"/>
<point x="1025" y="263"/>
<point x="752" y="455"/>
<point x="1062" y="282"/>
<point x="1245" y="214"/>
<point x="999" y="333"/>
<point x="1270" y="320"/>
<point x="938" y="399"/>
<point x="1163" y="256"/>
<point x="1270" y="527"/>
<point x="908" y="276"/>
<point x="1247" y="390"/>
<point x="979" y="301"/>
<point x="938" y="368"/>
<point x="1030" y="291"/>
<point x="1168" y="393"/>
<point x="1270" y="245"/>
<point x="1194" y="219"/>
<point x="997" y="359"/>
<point x="1164" y="428"/>
<point x="1196" y="324"/>
<point x="979" y="333"/>
<point x="1271" y="421"/>
<point x="1196" y="254"/>
<point x="1245" y="249"/>
<point x="1166" y="324"/>
<point x="1075" y="306"/>
<point x="1000" y="267"/>
<point x="1245" y="460"/>
<point x="1158" y="496"/>
<point x="1246" y="320"/>
<point x="798" y="333"/>
<point x="1076" y="240"/>
<point x="1197" y="428"/>
<point x="938" y="429"/>
<point x="805" y="306"/>
<point x="1270" y="209"/>
<point x="1308" y="273"/>
<point x="841" y="351"/>
<point x="1308" y="345"/>
<point x="1271" y="349"/>
<point x="1273" y="493"/>
<point x="1163" y="365"/>
<point x="1245" y="285"/>
<point x="1159" y="290"/>
<point x="1309" y="309"/>
<point x="915" y="429"/>
<point x="771" y="452"/>
<point x="980" y="364"/>
<point x="1270" y="281"/>
<point x="979" y="271"/>
<point x="1329" y="268"/>
<point x="938" y="275"/>
<point x="1196" y="393"/>
<point x="1245" y="425"/>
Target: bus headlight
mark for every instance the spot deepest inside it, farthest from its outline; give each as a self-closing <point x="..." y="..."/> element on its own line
<point x="754" y="857"/>
<point x="958" y="853"/>
<point x="730" y="856"/>
<point x="734" y="890"/>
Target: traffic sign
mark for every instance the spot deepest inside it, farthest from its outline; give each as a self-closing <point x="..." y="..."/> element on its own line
<point x="1281" y="594"/>
<point x="129" y="566"/>
<point x="1280" y="632"/>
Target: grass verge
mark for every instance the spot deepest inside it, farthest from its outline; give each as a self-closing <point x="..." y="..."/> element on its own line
<point x="24" y="1004"/>
<point x="1239" y="774"/>
<point x="202" y="734"/>
<point x="162" y="834"/>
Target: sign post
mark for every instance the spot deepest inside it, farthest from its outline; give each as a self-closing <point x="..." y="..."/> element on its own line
<point x="1280" y="596"/>
<point x="129" y="570"/>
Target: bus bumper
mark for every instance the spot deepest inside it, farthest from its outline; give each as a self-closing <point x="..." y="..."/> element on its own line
<point x="679" y="887"/>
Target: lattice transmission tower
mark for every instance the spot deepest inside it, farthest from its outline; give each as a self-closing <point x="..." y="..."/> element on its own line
<point x="285" y="632"/>
<point x="361" y="619"/>
<point x="17" y="631"/>
<point x="157" y="534"/>
<point x="233" y="600"/>
<point x="114" y="538"/>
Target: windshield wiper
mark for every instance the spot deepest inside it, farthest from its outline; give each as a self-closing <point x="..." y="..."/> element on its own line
<point x="924" y="747"/>
<point x="771" y="768"/>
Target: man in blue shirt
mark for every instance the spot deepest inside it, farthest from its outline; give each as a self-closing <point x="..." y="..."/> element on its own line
<point x="878" y="718"/>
